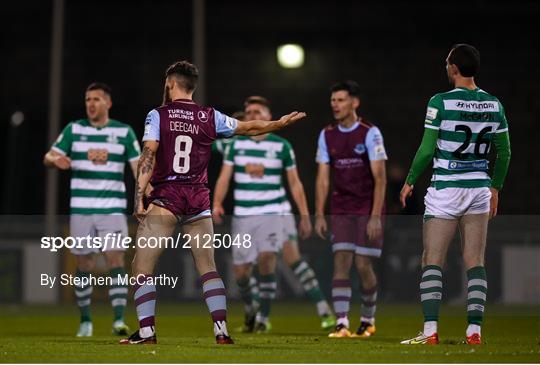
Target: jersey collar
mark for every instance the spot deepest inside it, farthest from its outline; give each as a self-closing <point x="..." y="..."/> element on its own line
<point x="100" y="127"/>
<point x="464" y="88"/>
<point x="355" y="125"/>
<point x="187" y="101"/>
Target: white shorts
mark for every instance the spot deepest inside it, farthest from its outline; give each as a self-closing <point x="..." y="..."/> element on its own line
<point x="452" y="203"/>
<point x="289" y="228"/>
<point x="98" y="225"/>
<point x="267" y="235"/>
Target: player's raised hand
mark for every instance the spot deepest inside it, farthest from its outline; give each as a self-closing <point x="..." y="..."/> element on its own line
<point x="217" y="214"/>
<point x="304" y="227"/>
<point x="291" y="118"/>
<point x="62" y="162"/>
<point x="321" y="227"/>
<point x="406" y="191"/>
<point x="493" y="203"/>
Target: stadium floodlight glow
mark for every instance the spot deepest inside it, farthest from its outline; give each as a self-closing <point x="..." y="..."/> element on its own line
<point x="17" y="118"/>
<point x="290" y="55"/>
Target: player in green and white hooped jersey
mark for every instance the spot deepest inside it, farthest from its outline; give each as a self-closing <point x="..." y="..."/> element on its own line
<point x="96" y="150"/>
<point x="460" y="126"/>
<point x="262" y="210"/>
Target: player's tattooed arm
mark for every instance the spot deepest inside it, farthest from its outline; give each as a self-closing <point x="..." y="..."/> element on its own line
<point x="145" y="168"/>
<point x="256" y="127"/>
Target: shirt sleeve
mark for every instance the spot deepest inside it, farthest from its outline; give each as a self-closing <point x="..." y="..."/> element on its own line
<point x="433" y="113"/>
<point x="375" y="145"/>
<point x="502" y="145"/>
<point x="64" y="141"/>
<point x="503" y="126"/>
<point x="289" y="159"/>
<point x="423" y="156"/>
<point x="225" y="125"/>
<point x="322" y="149"/>
<point x="151" y="126"/>
<point x="133" y="149"/>
<point x="228" y="158"/>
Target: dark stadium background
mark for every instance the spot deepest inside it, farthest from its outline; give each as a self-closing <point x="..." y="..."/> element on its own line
<point x="395" y="50"/>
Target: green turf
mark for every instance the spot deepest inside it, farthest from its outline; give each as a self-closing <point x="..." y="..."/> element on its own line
<point x="46" y="334"/>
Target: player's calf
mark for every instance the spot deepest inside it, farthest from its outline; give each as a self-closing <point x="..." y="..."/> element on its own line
<point x="476" y="300"/>
<point x="145" y="304"/>
<point x="215" y="298"/>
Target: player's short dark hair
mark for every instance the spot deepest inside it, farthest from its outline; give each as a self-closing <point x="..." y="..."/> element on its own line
<point x="466" y="58"/>
<point x="256" y="99"/>
<point x="349" y="86"/>
<point x="100" y="86"/>
<point x="240" y="115"/>
<point x="186" y="73"/>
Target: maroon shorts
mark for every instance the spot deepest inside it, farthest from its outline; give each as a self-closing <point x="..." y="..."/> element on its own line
<point x="186" y="202"/>
<point x="349" y="233"/>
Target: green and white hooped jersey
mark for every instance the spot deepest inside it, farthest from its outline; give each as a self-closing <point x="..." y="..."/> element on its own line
<point x="98" y="157"/>
<point x="220" y="145"/>
<point x="466" y="121"/>
<point x="257" y="195"/>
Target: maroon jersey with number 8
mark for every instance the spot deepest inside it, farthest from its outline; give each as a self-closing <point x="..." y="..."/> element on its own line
<point x="186" y="133"/>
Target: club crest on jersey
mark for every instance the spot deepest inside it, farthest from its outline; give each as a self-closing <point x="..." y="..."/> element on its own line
<point x="270" y="154"/>
<point x="112" y="138"/>
<point x="360" y="149"/>
<point x="203" y="116"/>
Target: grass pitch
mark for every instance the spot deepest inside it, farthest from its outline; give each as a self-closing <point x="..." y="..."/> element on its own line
<point x="46" y="334"/>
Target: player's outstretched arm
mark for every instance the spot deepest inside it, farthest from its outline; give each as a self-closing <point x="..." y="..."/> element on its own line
<point x="56" y="159"/>
<point x="220" y="192"/>
<point x="145" y="168"/>
<point x="256" y="127"/>
<point x="421" y="161"/>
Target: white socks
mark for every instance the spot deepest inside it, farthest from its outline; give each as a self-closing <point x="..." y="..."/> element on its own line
<point x="472" y="329"/>
<point x="220" y="328"/>
<point x="146" y="332"/>
<point x="344" y="321"/>
<point x="370" y="320"/>
<point x="430" y="328"/>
